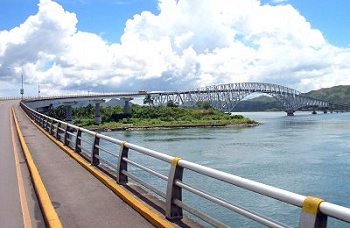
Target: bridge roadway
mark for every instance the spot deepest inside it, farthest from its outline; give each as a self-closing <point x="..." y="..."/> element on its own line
<point x="79" y="198"/>
<point x="18" y="203"/>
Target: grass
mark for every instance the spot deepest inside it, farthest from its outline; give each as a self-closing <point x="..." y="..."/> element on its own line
<point x="154" y="117"/>
<point x="157" y="123"/>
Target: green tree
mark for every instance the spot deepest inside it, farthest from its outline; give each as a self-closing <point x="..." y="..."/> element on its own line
<point x="148" y="100"/>
<point x="203" y="105"/>
<point x="171" y="104"/>
<point x="57" y="113"/>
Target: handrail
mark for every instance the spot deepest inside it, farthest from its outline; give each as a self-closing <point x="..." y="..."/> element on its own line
<point x="314" y="211"/>
<point x="276" y="193"/>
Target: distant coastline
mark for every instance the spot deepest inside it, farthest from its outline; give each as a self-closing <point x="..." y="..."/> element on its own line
<point x="168" y="127"/>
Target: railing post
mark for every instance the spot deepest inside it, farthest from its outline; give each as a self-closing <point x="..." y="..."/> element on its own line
<point x="50" y="127"/>
<point x="78" y="141"/>
<point x="310" y="215"/>
<point x="46" y="123"/>
<point x="66" y="136"/>
<point x="57" y="136"/>
<point x="122" y="165"/>
<point x="95" y="151"/>
<point x="173" y="211"/>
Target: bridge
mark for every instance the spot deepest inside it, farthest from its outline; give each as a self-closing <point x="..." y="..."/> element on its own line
<point x="223" y="97"/>
<point x="115" y="194"/>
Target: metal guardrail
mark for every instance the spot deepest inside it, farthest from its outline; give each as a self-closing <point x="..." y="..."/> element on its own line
<point x="92" y="146"/>
<point x="9" y="98"/>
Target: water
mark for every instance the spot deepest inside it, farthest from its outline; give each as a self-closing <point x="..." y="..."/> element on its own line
<point x="306" y="154"/>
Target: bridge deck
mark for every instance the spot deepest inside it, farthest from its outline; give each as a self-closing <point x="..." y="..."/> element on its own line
<point x="15" y="210"/>
<point x="79" y="198"/>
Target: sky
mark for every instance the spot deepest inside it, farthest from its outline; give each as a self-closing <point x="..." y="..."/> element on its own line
<point x="76" y="46"/>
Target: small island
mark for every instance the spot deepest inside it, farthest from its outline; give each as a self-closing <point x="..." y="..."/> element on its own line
<point x="150" y="117"/>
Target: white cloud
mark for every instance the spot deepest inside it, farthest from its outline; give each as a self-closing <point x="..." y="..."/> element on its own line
<point x="189" y="44"/>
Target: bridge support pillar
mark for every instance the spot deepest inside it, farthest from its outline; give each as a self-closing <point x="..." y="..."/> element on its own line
<point x="290" y="112"/>
<point x="98" y="118"/>
<point x="69" y="111"/>
<point x="127" y="108"/>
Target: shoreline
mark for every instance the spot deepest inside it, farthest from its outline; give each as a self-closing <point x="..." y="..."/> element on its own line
<point x="165" y="127"/>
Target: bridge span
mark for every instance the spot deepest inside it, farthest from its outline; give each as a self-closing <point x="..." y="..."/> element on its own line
<point x="223" y="97"/>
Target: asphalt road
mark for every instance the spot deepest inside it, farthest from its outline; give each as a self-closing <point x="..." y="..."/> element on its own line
<point x="18" y="203"/>
<point x="79" y="198"/>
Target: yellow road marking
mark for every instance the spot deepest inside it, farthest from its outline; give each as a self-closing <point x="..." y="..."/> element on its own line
<point x="127" y="197"/>
<point x="27" y="222"/>
<point x="51" y="218"/>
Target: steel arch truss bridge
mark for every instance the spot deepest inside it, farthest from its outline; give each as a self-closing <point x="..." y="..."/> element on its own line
<point x="225" y="97"/>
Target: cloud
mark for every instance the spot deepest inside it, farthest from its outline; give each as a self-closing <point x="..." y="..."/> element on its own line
<point x="188" y="44"/>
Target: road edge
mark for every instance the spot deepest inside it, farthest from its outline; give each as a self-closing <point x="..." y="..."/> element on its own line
<point x="49" y="213"/>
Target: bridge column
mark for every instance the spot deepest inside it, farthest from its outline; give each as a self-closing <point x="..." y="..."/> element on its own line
<point x="98" y="118"/>
<point x="290" y="112"/>
<point x="127" y="108"/>
<point x="69" y="111"/>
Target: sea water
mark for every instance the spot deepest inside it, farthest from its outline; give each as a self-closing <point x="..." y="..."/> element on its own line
<point x="306" y="154"/>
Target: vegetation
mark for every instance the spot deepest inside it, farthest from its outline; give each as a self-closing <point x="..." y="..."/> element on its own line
<point x="58" y="113"/>
<point x="153" y="117"/>
<point x="336" y="94"/>
<point x="148" y="100"/>
<point x="261" y="103"/>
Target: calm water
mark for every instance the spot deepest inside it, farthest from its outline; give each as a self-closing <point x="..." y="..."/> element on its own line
<point x="306" y="154"/>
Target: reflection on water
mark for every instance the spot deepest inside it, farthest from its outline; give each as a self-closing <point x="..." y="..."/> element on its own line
<point x="306" y="154"/>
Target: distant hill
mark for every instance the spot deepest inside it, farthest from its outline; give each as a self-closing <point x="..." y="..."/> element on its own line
<point x="261" y="103"/>
<point x="113" y="103"/>
<point x="338" y="94"/>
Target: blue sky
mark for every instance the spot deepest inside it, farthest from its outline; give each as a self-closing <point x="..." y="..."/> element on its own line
<point x="332" y="18"/>
<point x="77" y="46"/>
<point x="107" y="17"/>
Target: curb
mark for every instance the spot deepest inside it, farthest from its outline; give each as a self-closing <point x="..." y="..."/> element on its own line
<point x="49" y="213"/>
